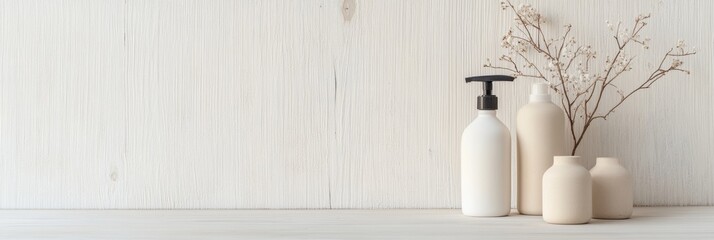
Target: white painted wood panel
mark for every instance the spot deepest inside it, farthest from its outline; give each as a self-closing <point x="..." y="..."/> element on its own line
<point x="305" y="104"/>
<point x="228" y="105"/>
<point x="62" y="115"/>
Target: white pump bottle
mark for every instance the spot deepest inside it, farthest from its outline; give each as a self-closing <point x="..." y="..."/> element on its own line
<point x="486" y="158"/>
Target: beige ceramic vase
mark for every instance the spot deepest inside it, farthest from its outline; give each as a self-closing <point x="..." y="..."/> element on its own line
<point x="612" y="190"/>
<point x="567" y="192"/>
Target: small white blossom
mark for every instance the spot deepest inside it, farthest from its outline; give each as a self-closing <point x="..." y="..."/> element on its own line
<point x="530" y="14"/>
<point x="507" y="39"/>
<point x="504" y="5"/>
<point x="624" y="35"/>
<point x="552" y="65"/>
<point x="645" y="43"/>
<point x="680" y="44"/>
<point x="642" y="17"/>
<point x="588" y="52"/>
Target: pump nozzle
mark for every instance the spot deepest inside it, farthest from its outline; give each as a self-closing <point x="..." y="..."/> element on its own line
<point x="487" y="101"/>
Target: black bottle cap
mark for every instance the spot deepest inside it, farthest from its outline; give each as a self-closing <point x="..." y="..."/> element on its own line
<point x="488" y="101"/>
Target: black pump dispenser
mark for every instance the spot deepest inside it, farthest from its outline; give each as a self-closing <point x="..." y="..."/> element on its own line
<point x="487" y="101"/>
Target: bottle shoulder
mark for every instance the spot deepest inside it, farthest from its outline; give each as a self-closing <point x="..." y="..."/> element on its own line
<point x="487" y="120"/>
<point x="489" y="124"/>
<point x="539" y="105"/>
<point x="567" y="171"/>
<point x="609" y="170"/>
<point x="541" y="108"/>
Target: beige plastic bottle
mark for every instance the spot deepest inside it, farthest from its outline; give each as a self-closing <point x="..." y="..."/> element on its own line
<point x="540" y="136"/>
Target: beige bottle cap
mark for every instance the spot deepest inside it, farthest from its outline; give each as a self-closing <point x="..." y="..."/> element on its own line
<point x="539" y="92"/>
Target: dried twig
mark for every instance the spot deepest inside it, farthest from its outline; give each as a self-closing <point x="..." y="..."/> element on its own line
<point x="582" y="91"/>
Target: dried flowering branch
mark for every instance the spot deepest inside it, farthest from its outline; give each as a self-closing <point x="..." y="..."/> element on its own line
<point x="571" y="66"/>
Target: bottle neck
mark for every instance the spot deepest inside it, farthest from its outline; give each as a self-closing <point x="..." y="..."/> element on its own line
<point x="487" y="113"/>
<point x="566" y="160"/>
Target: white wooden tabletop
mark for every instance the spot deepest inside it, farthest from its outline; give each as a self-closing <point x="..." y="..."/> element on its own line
<point x="650" y="223"/>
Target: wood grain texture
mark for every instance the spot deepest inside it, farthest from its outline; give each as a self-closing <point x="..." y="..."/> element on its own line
<point x="646" y="223"/>
<point x="307" y="104"/>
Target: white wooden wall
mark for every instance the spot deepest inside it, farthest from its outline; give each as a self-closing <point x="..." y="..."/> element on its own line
<point x="306" y="104"/>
